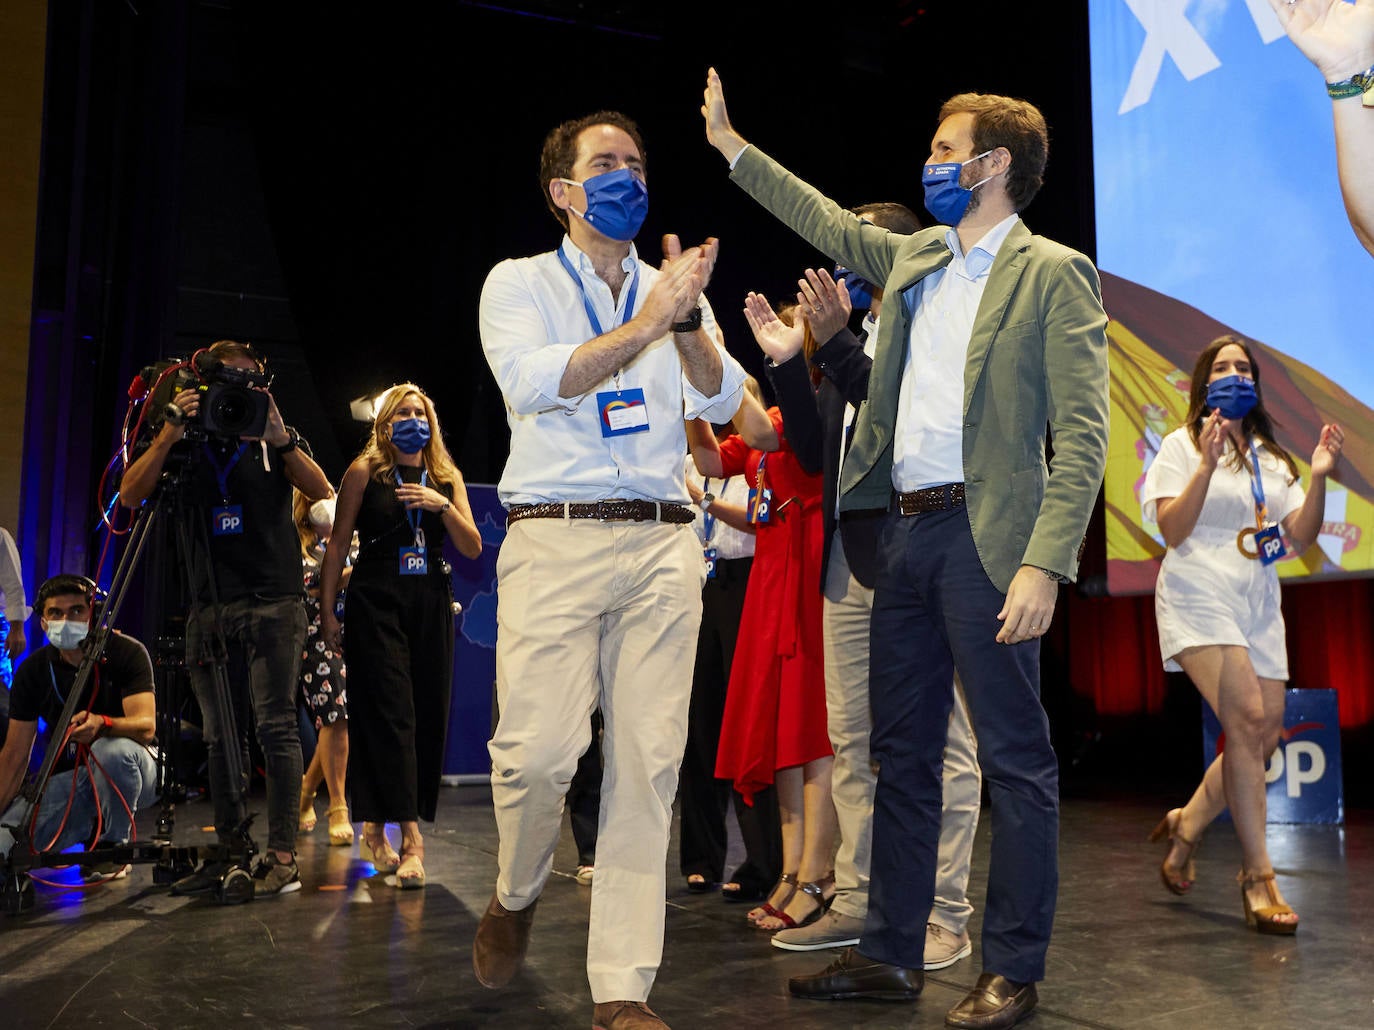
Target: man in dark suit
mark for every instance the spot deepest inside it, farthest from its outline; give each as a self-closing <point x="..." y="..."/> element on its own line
<point x="997" y="337"/>
<point x="826" y="414"/>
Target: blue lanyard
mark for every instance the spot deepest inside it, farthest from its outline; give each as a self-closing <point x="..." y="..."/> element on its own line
<point x="1257" y="487"/>
<point x="758" y="476"/>
<point x="222" y="471"/>
<point x="413" y="515"/>
<point x="708" y="521"/>
<point x="587" y="301"/>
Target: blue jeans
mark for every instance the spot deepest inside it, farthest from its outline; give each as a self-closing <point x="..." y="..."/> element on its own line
<point x="123" y="768"/>
<point x="264" y="639"/>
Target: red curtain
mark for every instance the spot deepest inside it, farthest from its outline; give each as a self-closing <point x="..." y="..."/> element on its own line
<point x="1112" y="647"/>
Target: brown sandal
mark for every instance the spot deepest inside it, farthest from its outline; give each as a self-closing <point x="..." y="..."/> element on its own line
<point x="1178" y="879"/>
<point x="1265" y="918"/>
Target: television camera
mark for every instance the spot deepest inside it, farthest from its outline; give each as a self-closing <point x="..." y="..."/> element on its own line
<point x="233" y="401"/>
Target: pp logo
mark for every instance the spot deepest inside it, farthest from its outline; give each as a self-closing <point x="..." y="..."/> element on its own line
<point x="1299" y="762"/>
<point x="414" y="561"/>
<point x="1273" y="548"/>
<point x="228" y="522"/>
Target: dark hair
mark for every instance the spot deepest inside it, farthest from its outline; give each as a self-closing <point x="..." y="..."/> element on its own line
<point x="61" y="585"/>
<point x="1015" y="124"/>
<point x="1257" y="423"/>
<point x="890" y="216"/>
<point x="559" y="155"/>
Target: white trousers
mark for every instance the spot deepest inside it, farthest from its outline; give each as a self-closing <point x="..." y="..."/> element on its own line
<point x="595" y="613"/>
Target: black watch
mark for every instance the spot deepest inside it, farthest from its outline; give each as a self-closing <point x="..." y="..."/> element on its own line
<point x="293" y="440"/>
<point x="692" y="323"/>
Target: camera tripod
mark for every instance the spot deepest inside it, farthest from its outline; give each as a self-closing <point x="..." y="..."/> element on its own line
<point x="170" y="863"/>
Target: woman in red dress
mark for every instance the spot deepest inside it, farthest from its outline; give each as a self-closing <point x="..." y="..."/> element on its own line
<point x="774" y="727"/>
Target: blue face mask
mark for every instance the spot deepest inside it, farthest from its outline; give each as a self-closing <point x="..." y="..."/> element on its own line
<point x="945" y="198"/>
<point x="410" y="435"/>
<point x="67" y="634"/>
<point x="1233" y="396"/>
<point x="860" y="289"/>
<point x="617" y="203"/>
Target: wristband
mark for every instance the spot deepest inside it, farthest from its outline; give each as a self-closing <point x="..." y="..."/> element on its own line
<point x="1358" y="84"/>
<point x="692" y="323"/>
<point x="104" y="730"/>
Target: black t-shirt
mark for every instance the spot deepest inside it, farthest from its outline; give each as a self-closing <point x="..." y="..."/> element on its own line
<point x="247" y="519"/>
<point x="44" y="680"/>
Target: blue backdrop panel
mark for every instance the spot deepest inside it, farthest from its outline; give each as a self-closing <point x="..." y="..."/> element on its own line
<point x="1304" y="773"/>
<point x="474" y="655"/>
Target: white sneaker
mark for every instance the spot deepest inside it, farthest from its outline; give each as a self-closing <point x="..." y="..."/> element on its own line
<point x="945" y="947"/>
<point x="584" y="875"/>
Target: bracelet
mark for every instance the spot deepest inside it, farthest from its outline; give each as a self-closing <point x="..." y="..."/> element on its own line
<point x="1052" y="575"/>
<point x="691" y="325"/>
<point x="293" y="439"/>
<point x="1357" y="85"/>
<point x="105" y="730"/>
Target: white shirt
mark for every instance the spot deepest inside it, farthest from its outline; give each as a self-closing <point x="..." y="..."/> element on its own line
<point x="532" y="319"/>
<point x="928" y="444"/>
<point x="728" y="541"/>
<point x="11" y="580"/>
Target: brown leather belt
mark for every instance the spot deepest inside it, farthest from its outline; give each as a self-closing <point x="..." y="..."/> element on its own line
<point x="932" y="498"/>
<point x="605" y="511"/>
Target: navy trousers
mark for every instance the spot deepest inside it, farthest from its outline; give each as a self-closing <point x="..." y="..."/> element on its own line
<point x="935" y="610"/>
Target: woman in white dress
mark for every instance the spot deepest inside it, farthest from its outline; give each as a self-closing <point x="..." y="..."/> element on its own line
<point x="1217" y="600"/>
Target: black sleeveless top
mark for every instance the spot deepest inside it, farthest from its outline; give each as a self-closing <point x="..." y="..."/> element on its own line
<point x="382" y="525"/>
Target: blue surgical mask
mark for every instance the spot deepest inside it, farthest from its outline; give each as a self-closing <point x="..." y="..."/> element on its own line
<point x="617" y="203"/>
<point x="860" y="289"/>
<point x="66" y="634"/>
<point x="410" y="435"/>
<point x="1233" y="396"/>
<point x="945" y="198"/>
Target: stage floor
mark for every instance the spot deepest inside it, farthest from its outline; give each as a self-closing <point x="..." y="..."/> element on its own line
<point x="350" y="951"/>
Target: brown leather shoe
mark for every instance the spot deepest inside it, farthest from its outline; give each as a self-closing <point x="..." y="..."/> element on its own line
<point x="626" y="1015"/>
<point x="855" y="976"/>
<point x="995" y="1003"/>
<point x="499" y="947"/>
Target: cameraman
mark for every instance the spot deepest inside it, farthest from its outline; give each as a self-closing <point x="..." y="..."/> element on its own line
<point x="240" y="487"/>
<point x="107" y="739"/>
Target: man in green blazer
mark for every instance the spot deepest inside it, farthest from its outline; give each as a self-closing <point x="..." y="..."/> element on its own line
<point x="995" y="337"/>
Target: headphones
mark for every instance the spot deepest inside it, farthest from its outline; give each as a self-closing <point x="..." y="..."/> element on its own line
<point x="71" y="583"/>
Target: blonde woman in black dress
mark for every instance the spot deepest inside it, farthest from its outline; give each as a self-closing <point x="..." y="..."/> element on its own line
<point x="402" y="495"/>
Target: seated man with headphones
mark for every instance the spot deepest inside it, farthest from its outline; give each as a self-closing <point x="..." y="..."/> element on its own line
<point x="107" y="743"/>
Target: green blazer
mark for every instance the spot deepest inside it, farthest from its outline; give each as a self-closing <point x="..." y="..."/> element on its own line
<point x="1037" y="359"/>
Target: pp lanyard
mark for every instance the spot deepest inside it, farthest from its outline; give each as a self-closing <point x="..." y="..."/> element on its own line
<point x="413" y="517"/>
<point x="708" y="521"/>
<point x="1257" y="488"/>
<point x="587" y="302"/>
<point x="222" y="471"/>
<point x="1269" y="546"/>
